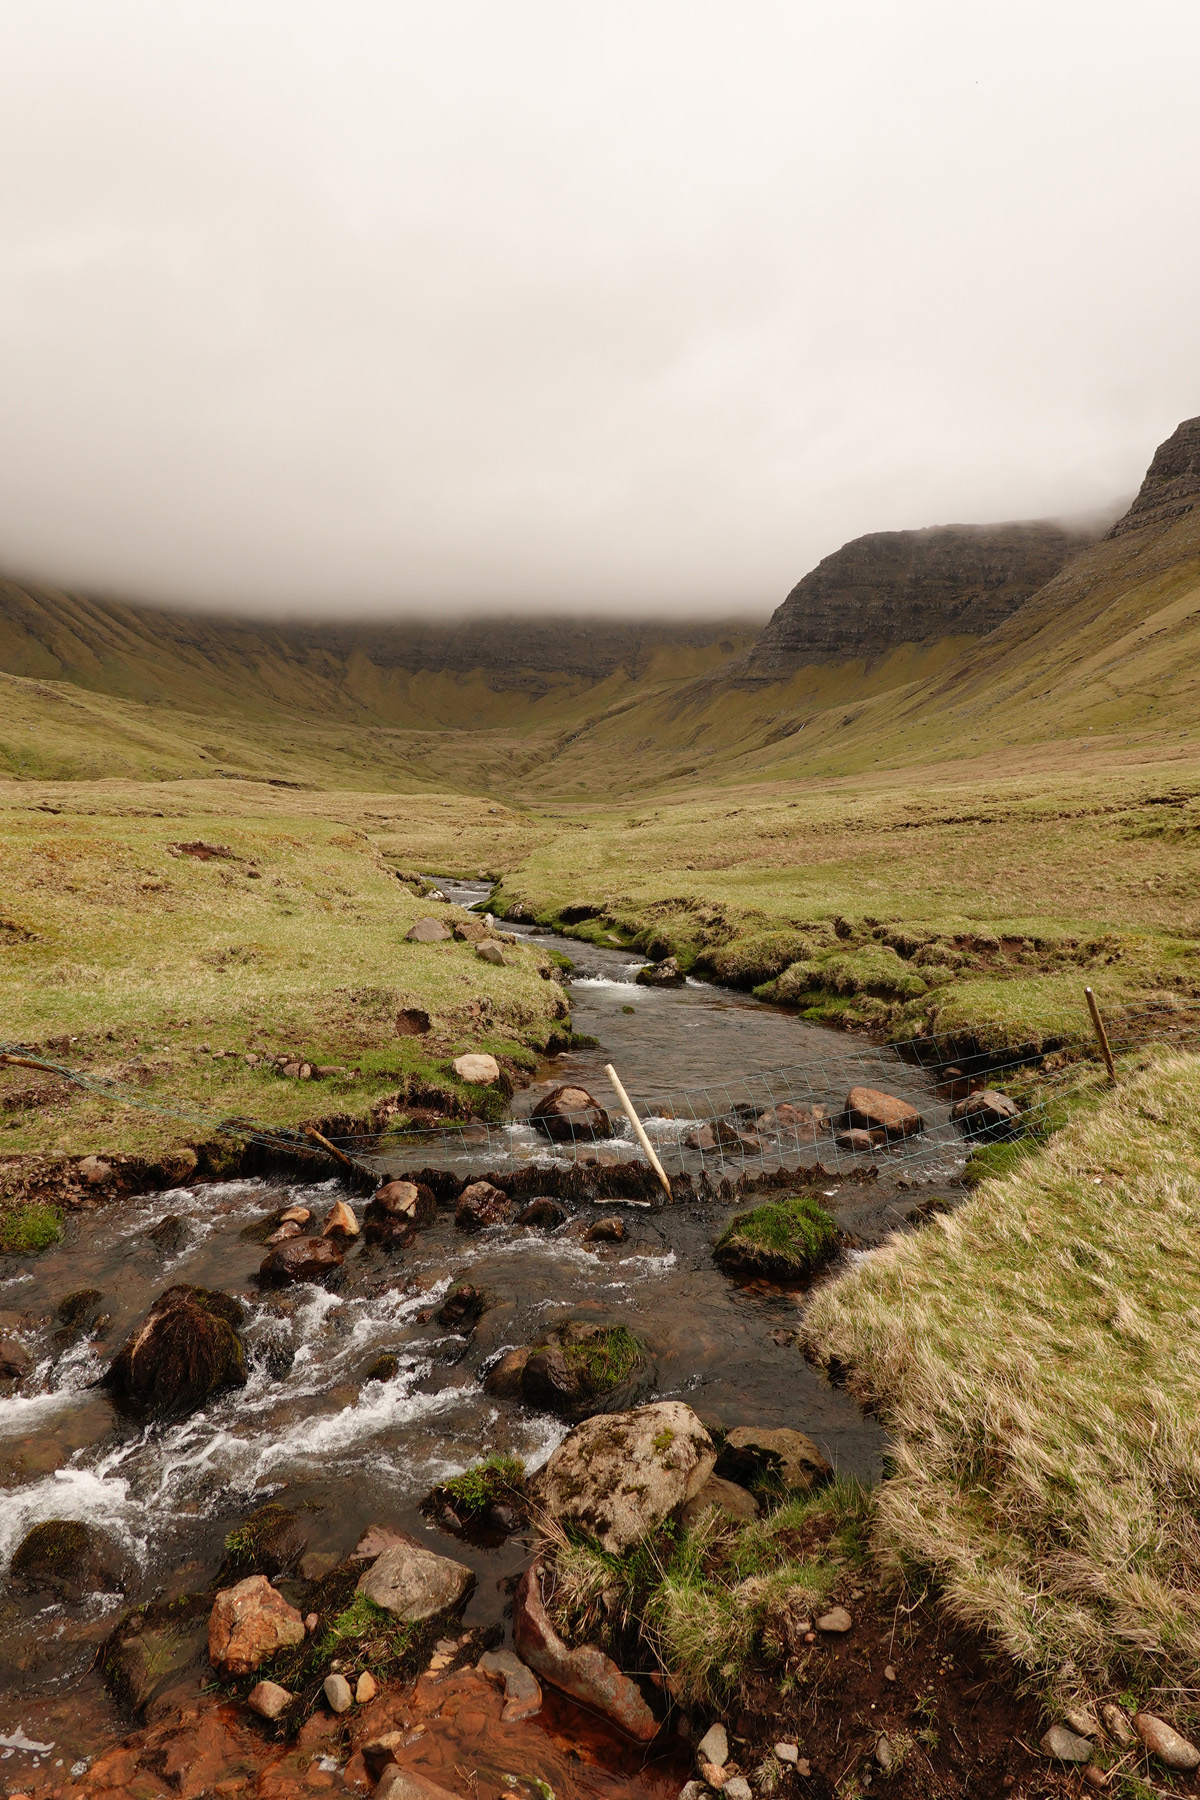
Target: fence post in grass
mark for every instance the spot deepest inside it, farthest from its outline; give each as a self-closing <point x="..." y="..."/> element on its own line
<point x="643" y="1140"/>
<point x="1101" y="1034"/>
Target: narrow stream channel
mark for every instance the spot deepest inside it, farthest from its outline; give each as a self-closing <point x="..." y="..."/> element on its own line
<point x="343" y="1450"/>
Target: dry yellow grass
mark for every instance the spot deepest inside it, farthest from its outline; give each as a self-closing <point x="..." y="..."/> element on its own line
<point x="1036" y="1358"/>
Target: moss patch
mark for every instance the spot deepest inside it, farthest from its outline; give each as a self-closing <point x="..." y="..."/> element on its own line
<point x="471" y="1494"/>
<point x="784" y="1240"/>
<point x="28" y="1229"/>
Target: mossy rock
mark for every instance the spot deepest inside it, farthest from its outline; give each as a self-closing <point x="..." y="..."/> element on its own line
<point x="270" y="1543"/>
<point x="784" y="1240"/>
<point x="156" y="1647"/>
<point x="580" y="1369"/>
<point x="70" y="1559"/>
<point x="188" y="1349"/>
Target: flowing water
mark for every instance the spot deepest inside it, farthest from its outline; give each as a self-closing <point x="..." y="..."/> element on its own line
<point x="344" y="1451"/>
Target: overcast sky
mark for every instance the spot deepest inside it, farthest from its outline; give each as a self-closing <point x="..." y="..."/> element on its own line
<point x="378" y="306"/>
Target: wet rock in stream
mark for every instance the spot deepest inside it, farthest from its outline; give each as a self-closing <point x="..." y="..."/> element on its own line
<point x="463" y="1308"/>
<point x="401" y="1203"/>
<point x="67" y="1558"/>
<point x="249" y="1622"/>
<point x="582" y="1368"/>
<point x="783" y="1240"/>
<point x="570" y="1115"/>
<point x="584" y="1672"/>
<point x="480" y="1205"/>
<point x="301" y="1259"/>
<point x="188" y="1348"/>
<point x="269" y="1543"/>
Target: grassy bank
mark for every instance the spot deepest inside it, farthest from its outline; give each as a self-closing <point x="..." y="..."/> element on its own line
<point x="974" y="905"/>
<point x="1036" y="1358"/>
<point x="159" y="969"/>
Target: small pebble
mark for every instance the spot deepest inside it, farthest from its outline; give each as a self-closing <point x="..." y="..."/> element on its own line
<point x="1117" y="1725"/>
<point x="1065" y="1746"/>
<point x="337" y="1693"/>
<point x="889" y="1674"/>
<point x="737" y="1788"/>
<point x="714" y="1746"/>
<point x="365" y="1688"/>
<point x="837" y="1619"/>
<point x="1095" y="1776"/>
<point x="788" y="1753"/>
<point x="311" y="1623"/>
<point x="804" y="1767"/>
<point x="885" y="1756"/>
<point x="1083" y="1722"/>
<point x="268" y="1699"/>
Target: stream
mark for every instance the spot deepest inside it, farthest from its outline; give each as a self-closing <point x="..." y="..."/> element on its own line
<point x="344" y="1451"/>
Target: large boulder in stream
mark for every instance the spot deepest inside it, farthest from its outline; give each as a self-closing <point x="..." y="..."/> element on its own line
<point x="188" y="1349"/>
<point x="582" y="1367"/>
<point x="871" y="1109"/>
<point x="570" y="1115"/>
<point x="619" y="1475"/>
<point x="69" y="1559"/>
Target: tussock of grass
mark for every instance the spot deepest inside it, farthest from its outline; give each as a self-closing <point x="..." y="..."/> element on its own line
<point x="715" y="1603"/>
<point x="29" y="1228"/>
<point x="1036" y="1358"/>
<point x="479" y="1487"/>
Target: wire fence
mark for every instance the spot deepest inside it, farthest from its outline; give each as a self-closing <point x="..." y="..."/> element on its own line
<point x="918" y="1107"/>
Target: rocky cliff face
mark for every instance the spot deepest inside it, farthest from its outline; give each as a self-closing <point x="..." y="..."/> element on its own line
<point x="903" y="587"/>
<point x="1172" y="484"/>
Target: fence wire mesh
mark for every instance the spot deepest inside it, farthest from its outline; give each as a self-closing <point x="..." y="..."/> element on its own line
<point x="907" y="1108"/>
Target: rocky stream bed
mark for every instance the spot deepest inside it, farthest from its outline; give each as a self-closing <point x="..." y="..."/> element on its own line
<point x="356" y="1394"/>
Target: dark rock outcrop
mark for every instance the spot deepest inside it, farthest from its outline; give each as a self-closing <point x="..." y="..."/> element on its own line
<point x="904" y="587"/>
<point x="1172" y="484"/>
<point x="187" y="1349"/>
<point x="303" y="1259"/>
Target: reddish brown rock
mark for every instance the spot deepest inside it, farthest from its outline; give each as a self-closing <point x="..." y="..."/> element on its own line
<point x="570" y="1115"/>
<point x="403" y="1202"/>
<point x="870" y="1109"/>
<point x="585" y="1673"/>
<point x="340" y="1221"/>
<point x="481" y="1205"/>
<point x="303" y="1259"/>
<point x="248" y="1623"/>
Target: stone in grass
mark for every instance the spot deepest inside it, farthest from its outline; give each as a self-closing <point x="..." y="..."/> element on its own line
<point x="365" y="1688"/>
<point x="619" y="1475"/>
<point x="714" y="1747"/>
<point x="732" y="1501"/>
<point x="784" y="1240"/>
<point x="1064" y="1746"/>
<point x="490" y="952"/>
<point x="187" y="1349"/>
<point x="986" y="1114"/>
<point x="414" y="1583"/>
<point x="338" y="1694"/>
<point x="428" y="931"/>
<point x="477" y="1068"/>
<point x="1165" y="1743"/>
<point x="836" y="1621"/>
<point x="772" y="1459"/>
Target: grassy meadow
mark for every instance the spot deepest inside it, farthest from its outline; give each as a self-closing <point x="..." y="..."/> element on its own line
<point x="160" y="972"/>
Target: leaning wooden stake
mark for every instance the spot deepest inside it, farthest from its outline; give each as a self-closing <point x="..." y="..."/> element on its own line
<point x="340" y="1156"/>
<point x="642" y="1139"/>
<point x="1098" y="1022"/>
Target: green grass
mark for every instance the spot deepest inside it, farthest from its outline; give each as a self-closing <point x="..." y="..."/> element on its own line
<point x="1035" y="1358"/>
<point x="789" y="1237"/>
<point x="717" y="1603"/>
<point x="605" y="1358"/>
<point x="29" y="1228"/>
<point x="137" y="965"/>
<point x="479" y="1487"/>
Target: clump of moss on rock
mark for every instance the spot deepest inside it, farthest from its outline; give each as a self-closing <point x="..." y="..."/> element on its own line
<point x="490" y="1494"/>
<point x="270" y="1543"/>
<point x="785" y="1240"/>
<point x="575" y="1370"/>
<point x="28" y="1229"/>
